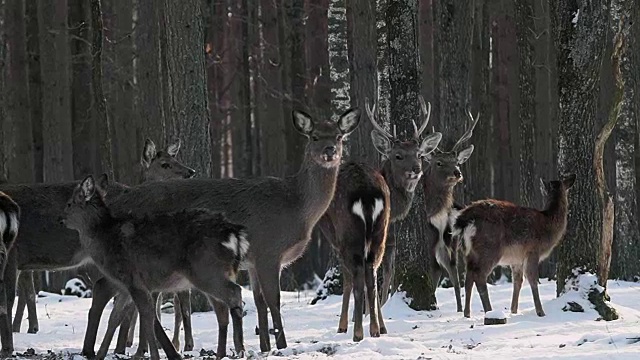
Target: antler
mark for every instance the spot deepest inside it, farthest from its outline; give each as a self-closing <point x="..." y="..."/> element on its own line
<point x="370" y="113"/>
<point x="467" y="135"/>
<point x="427" y="115"/>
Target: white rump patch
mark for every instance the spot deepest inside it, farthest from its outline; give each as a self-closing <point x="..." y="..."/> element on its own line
<point x="244" y="244"/>
<point x="440" y="220"/>
<point x="232" y="244"/>
<point x="14" y="222"/>
<point x="377" y="209"/>
<point x="467" y="234"/>
<point x="358" y="210"/>
<point x="3" y="222"/>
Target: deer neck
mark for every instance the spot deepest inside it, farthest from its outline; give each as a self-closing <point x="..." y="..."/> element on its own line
<point x="556" y="210"/>
<point x="438" y="196"/>
<point x="400" y="198"/>
<point x="315" y="186"/>
<point x="96" y="226"/>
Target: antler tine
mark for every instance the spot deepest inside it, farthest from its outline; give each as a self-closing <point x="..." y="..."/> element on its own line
<point x="467" y="135"/>
<point x="427" y="115"/>
<point x="370" y="114"/>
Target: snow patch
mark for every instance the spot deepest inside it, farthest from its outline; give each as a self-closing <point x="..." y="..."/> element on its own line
<point x="77" y="287"/>
<point x="576" y="17"/>
<point x="495" y="314"/>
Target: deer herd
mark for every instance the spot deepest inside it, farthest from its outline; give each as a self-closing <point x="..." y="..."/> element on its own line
<point x="172" y="234"/>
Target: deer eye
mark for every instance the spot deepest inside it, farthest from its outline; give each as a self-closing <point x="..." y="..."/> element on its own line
<point x="339" y="138"/>
<point x="398" y="156"/>
<point x="439" y="163"/>
<point x="166" y="166"/>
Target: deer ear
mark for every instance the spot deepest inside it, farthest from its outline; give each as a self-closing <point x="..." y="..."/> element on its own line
<point x="101" y="184"/>
<point x="349" y="121"/>
<point x="465" y="154"/>
<point x="569" y="180"/>
<point x="543" y="188"/>
<point x="149" y="153"/>
<point x="88" y="188"/>
<point x="302" y="122"/>
<point x="174" y="148"/>
<point x="430" y="143"/>
<point x="381" y="142"/>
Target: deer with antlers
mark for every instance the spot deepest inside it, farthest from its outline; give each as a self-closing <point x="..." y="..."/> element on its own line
<point x="366" y="200"/>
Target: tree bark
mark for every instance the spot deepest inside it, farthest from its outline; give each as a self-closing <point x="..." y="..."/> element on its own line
<point x="625" y="264"/>
<point x="412" y="266"/>
<point x="19" y="143"/>
<point x="317" y="53"/>
<point x="580" y="36"/>
<point x="104" y="120"/>
<point x="56" y="91"/>
<point x="188" y="89"/>
<point x="3" y="57"/>
<point x="85" y="156"/>
<point x="338" y="57"/>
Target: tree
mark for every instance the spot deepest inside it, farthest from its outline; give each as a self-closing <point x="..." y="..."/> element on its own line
<point x="56" y="91"/>
<point x="579" y="31"/>
<point x="412" y="266"/>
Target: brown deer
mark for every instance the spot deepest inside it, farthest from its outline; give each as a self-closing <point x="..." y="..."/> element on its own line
<point x="279" y="213"/>
<point x="497" y="232"/>
<point x="44" y="244"/>
<point x="165" y="251"/>
<point x="443" y="174"/>
<point x="366" y="200"/>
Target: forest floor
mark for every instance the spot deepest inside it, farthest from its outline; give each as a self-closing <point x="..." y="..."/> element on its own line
<point x="441" y="334"/>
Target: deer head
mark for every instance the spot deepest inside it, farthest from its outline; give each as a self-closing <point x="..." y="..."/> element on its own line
<point x="404" y="157"/>
<point x="163" y="165"/>
<point x="325" y="137"/>
<point x="86" y="203"/>
<point x="444" y="166"/>
<point x="554" y="188"/>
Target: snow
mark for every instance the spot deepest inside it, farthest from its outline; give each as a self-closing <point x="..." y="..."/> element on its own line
<point x="440" y="334"/>
<point x="576" y="17"/>
<point x="495" y="314"/>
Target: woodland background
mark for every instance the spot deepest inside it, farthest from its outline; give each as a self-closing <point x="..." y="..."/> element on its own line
<point x="224" y="75"/>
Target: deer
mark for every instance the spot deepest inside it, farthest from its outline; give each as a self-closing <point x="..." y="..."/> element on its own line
<point x="494" y="232"/>
<point x="165" y="251"/>
<point x="279" y="213"/>
<point x="9" y="225"/>
<point x="367" y="199"/>
<point x="441" y="176"/>
<point x="44" y="244"/>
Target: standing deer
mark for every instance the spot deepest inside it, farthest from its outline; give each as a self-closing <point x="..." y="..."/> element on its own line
<point x="162" y="252"/>
<point x="442" y="175"/>
<point x="366" y="199"/>
<point x="44" y="244"/>
<point x="501" y="233"/>
<point x="279" y="213"/>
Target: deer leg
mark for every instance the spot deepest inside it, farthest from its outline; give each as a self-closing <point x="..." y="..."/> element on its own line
<point x="383" y="327"/>
<point x="184" y="299"/>
<point x="358" y="297"/>
<point x="177" y="321"/>
<point x="269" y="278"/>
<point x="532" y="276"/>
<point x="468" y="291"/>
<point x="388" y="263"/>
<point x="261" y="308"/>
<point x="22" y="302"/>
<point x="123" y="332"/>
<point x="452" y="271"/>
<point x="132" y="327"/>
<point x="144" y="303"/>
<point x="7" y="297"/>
<point x="347" y="286"/>
<point x="483" y="291"/>
<point x="115" y="318"/>
<point x="103" y="291"/>
<point x="222" y="314"/>
<point x="371" y="284"/>
<point x="516" y="275"/>
<point x="30" y="293"/>
<point x="144" y="337"/>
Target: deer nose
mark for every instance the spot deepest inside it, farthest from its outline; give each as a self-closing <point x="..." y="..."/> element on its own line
<point x="330" y="151"/>
<point x="457" y="173"/>
<point x="417" y="169"/>
<point x="190" y="173"/>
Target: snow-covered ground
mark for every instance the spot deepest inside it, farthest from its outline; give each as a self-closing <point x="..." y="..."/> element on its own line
<point x="442" y="334"/>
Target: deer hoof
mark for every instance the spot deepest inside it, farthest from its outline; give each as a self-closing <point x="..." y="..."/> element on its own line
<point x="357" y="337"/>
<point x="342" y="331"/>
<point x="540" y="313"/>
<point x="383" y="330"/>
<point x="188" y="346"/>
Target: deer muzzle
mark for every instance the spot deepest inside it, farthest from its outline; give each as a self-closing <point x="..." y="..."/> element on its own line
<point x="329" y="153"/>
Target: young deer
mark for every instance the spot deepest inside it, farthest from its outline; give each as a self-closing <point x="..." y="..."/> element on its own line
<point x="279" y="213"/>
<point x="162" y="252"/>
<point x="501" y="233"/>
<point x="442" y="175"/>
<point x="366" y="199"/>
<point x="44" y="244"/>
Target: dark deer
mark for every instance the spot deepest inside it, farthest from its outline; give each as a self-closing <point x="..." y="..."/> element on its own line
<point x="162" y="252"/>
<point x="279" y="213"/>
<point x="9" y="224"/>
<point x="44" y="244"/>
<point x="442" y="175"/>
<point x="366" y="200"/>
<point x="497" y="232"/>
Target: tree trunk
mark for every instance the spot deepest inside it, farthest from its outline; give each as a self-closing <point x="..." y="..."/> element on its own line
<point x="295" y="47"/>
<point x="3" y="57"/>
<point x="84" y="139"/>
<point x="579" y="35"/>
<point x="271" y="110"/>
<point x="148" y="74"/>
<point x="625" y="263"/>
<point x="317" y="53"/>
<point x="188" y="86"/>
<point x="338" y="57"/>
<point x="238" y="87"/>
<point x="215" y="74"/>
<point x="103" y="116"/>
<point x="56" y="91"/>
<point x="413" y="263"/>
<point x="19" y="143"/>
